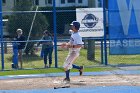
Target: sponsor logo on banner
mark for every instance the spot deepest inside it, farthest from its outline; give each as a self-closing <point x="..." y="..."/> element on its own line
<point x="91" y="20"/>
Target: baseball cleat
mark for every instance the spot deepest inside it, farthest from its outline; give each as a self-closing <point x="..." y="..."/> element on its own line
<point x="67" y="80"/>
<point x="81" y="70"/>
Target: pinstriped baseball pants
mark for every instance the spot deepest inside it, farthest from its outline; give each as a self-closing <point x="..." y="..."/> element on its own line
<point x="72" y="56"/>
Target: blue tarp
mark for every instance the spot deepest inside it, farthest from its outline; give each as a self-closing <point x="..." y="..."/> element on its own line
<point x="124" y="26"/>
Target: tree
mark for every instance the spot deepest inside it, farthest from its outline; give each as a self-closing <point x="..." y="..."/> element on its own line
<point x="24" y="20"/>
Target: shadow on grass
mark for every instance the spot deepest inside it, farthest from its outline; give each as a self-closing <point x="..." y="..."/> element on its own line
<point x="28" y="58"/>
<point x="95" y="61"/>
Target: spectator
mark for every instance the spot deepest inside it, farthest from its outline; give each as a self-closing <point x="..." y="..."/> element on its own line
<point x="20" y="45"/>
<point x="47" y="48"/>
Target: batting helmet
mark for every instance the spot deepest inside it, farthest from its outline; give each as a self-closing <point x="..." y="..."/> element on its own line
<point x="76" y="24"/>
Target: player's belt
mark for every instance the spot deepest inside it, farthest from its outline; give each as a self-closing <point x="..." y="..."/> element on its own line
<point x="74" y="46"/>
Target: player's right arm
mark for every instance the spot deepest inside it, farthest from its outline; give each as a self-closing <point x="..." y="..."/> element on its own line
<point x="64" y="45"/>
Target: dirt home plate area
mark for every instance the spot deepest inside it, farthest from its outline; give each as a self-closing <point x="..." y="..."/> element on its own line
<point x="76" y="81"/>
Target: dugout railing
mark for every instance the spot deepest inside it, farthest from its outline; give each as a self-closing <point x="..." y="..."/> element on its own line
<point x="33" y="60"/>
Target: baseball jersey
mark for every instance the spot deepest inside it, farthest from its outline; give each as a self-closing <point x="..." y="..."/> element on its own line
<point x="76" y="39"/>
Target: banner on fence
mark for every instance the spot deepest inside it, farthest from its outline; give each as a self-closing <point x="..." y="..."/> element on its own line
<point x="124" y="26"/>
<point x="91" y="20"/>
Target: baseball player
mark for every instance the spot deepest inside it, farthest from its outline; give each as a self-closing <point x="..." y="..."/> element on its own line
<point x="74" y="46"/>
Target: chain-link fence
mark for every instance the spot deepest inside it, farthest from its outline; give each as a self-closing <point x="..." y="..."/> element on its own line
<point x="35" y="21"/>
<point x="33" y="26"/>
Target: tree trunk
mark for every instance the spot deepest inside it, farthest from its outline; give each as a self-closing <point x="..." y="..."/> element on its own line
<point x="91" y="50"/>
<point x="5" y="48"/>
<point x="85" y="44"/>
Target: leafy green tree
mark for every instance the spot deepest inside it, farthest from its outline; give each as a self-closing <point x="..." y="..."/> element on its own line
<point x="23" y="20"/>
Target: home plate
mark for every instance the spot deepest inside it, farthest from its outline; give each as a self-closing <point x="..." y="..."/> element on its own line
<point x="57" y="82"/>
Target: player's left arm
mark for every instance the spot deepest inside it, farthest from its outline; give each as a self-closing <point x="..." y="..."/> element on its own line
<point x="66" y="45"/>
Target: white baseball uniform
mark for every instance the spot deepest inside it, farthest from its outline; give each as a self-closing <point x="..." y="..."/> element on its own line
<point x="75" y="39"/>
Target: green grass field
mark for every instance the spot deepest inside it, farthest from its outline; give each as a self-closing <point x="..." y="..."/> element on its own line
<point x="51" y="70"/>
<point x="35" y="61"/>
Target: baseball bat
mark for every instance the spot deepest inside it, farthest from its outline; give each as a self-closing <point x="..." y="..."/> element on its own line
<point x="62" y="87"/>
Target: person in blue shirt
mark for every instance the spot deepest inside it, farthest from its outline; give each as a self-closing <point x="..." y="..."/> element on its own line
<point x="47" y="48"/>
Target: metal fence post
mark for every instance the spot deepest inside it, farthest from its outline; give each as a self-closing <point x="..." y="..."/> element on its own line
<point x="1" y="33"/>
<point x="55" y="32"/>
<point x="105" y="45"/>
<point x="102" y="49"/>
